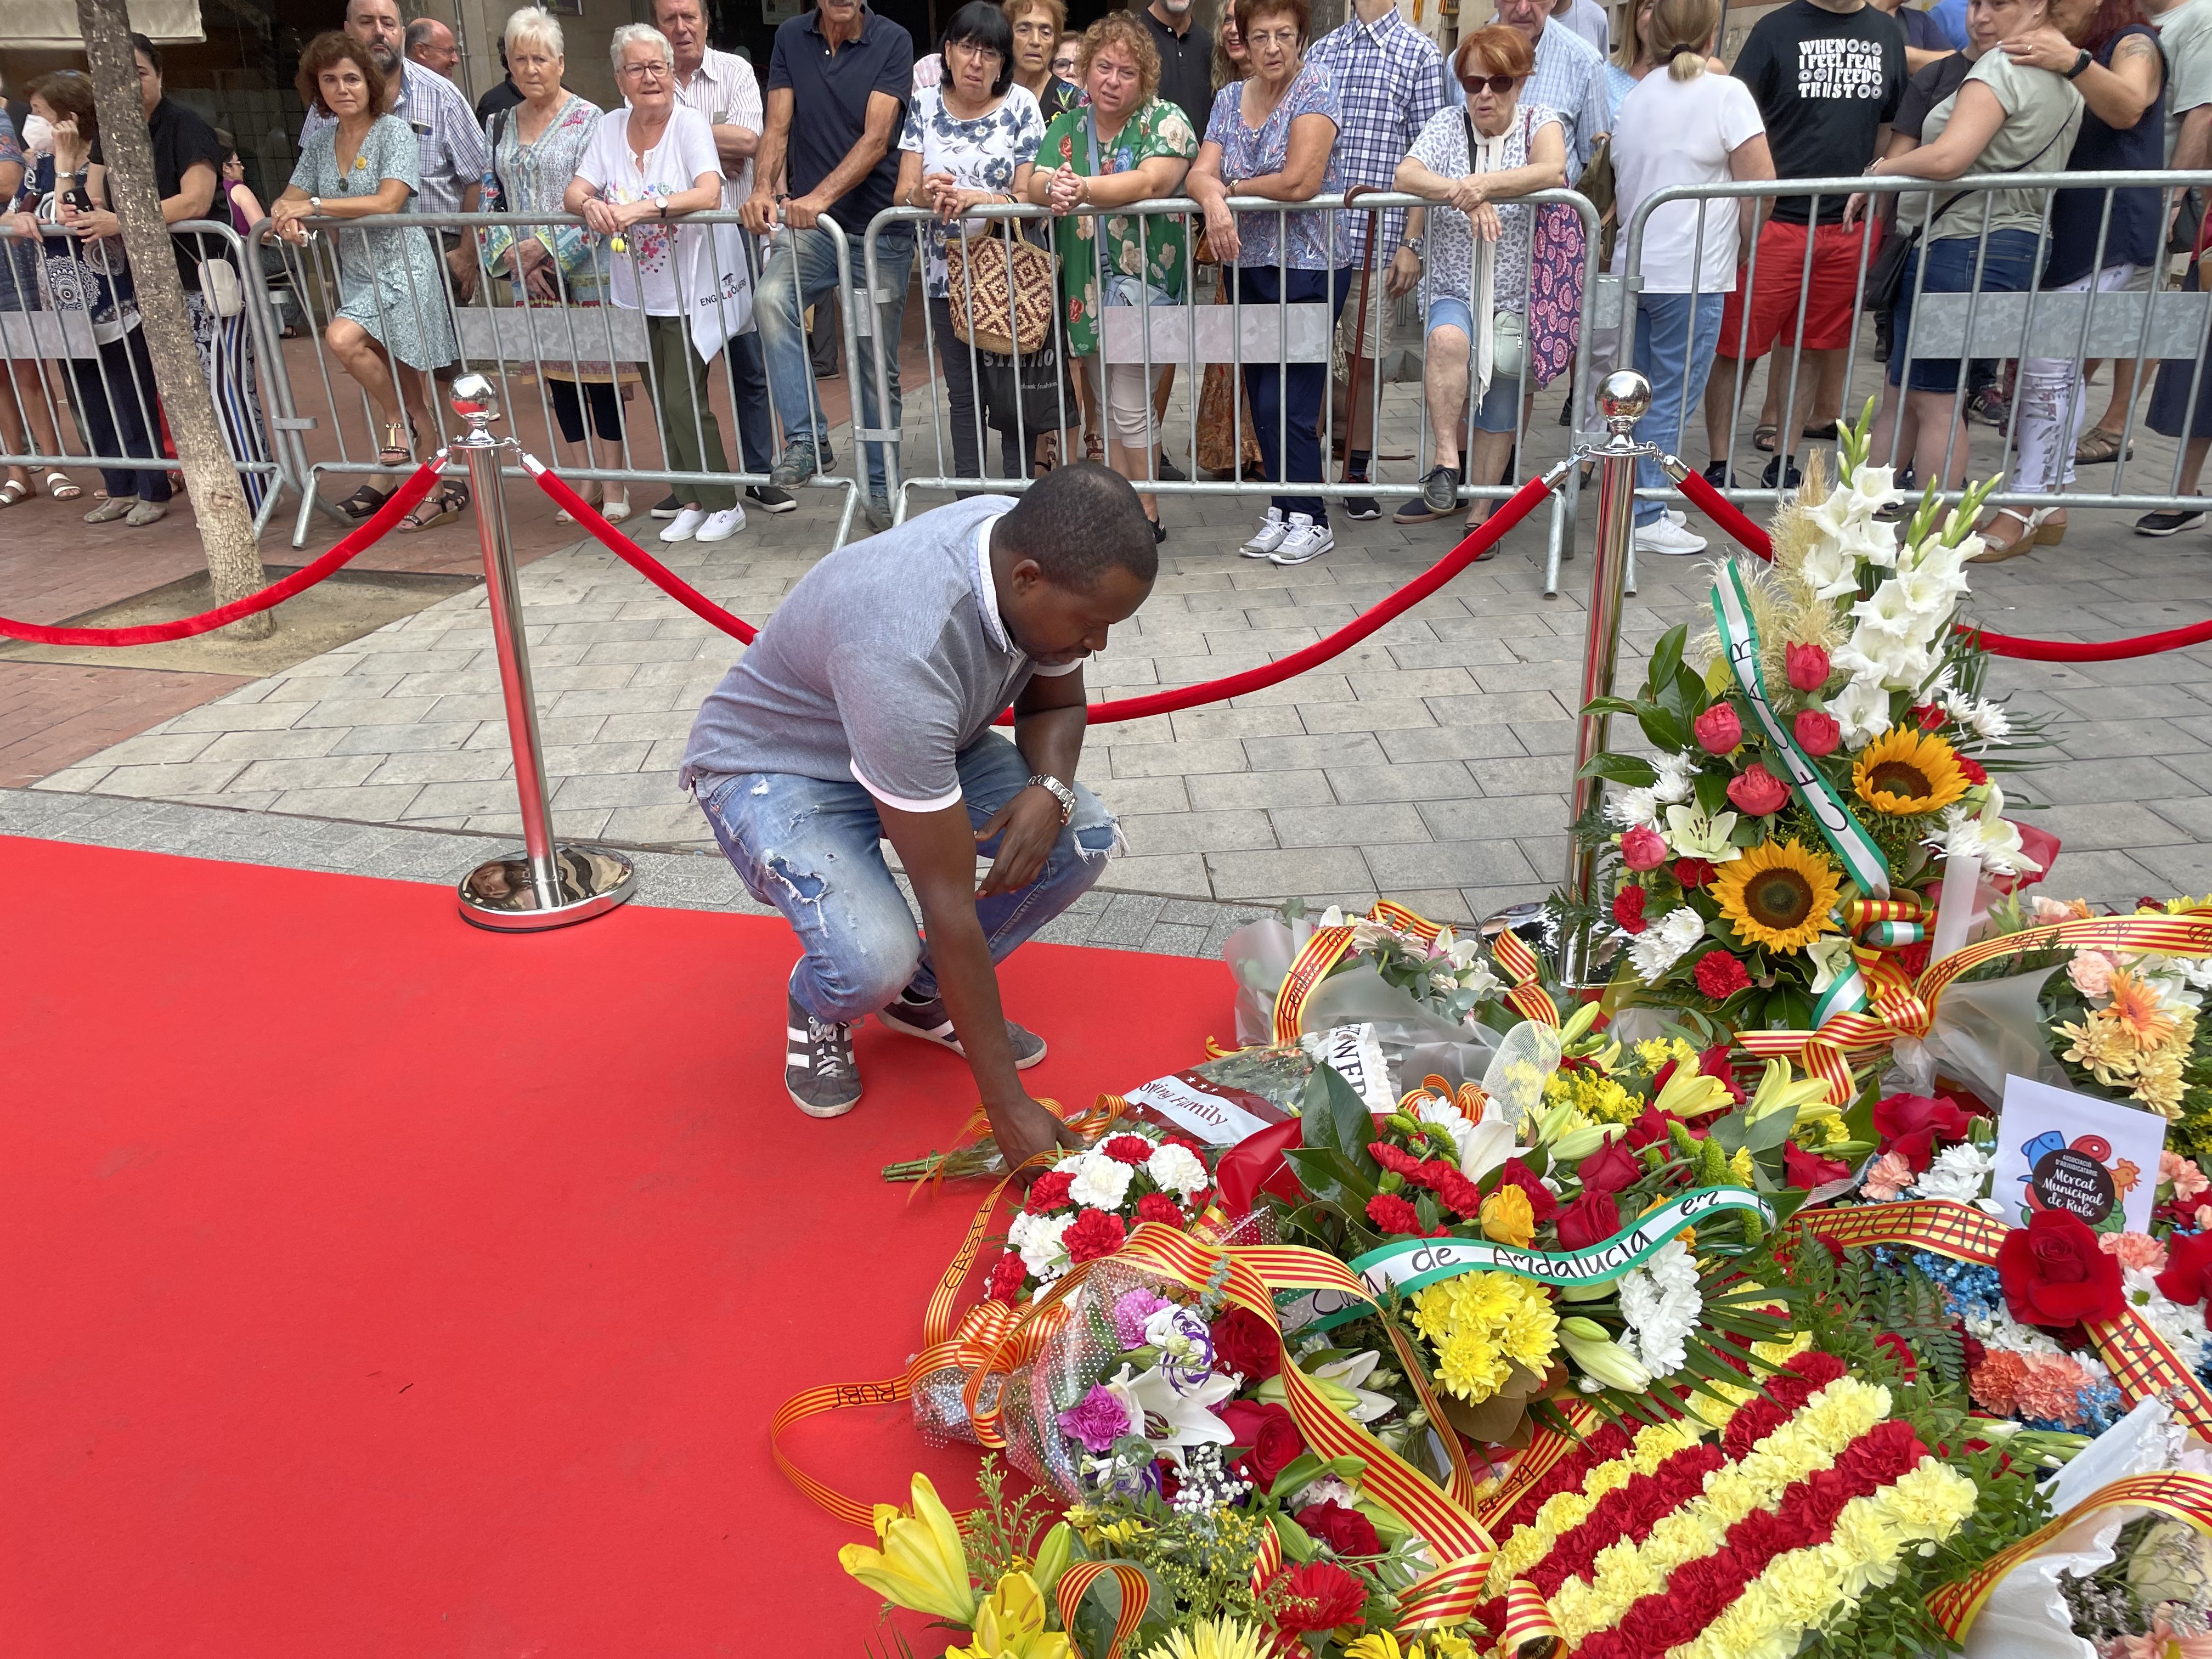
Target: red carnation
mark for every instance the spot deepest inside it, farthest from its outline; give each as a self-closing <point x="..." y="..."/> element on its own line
<point x="1757" y="791"/>
<point x="2055" y="1275"/>
<point x="1927" y="715"/>
<point x="1392" y="1214"/>
<point x="1806" y="664"/>
<point x="2188" y="1274"/>
<point x="1694" y="873"/>
<point x="1006" y="1276"/>
<point x="1719" y="975"/>
<point x="1809" y="1170"/>
<point x="1541" y="1202"/>
<point x="1246" y="1344"/>
<point x="1345" y="1531"/>
<point x="1611" y="1169"/>
<point x="1817" y="733"/>
<point x="1395" y="1158"/>
<point x="1913" y="959"/>
<point x="1971" y="768"/>
<point x="1459" y="1195"/>
<point x="1158" y="1207"/>
<point x="1128" y="1149"/>
<point x="1320" y="1595"/>
<point x="1628" y="910"/>
<point x="1093" y="1233"/>
<point x="1719" y="729"/>
<point x="1049" y="1191"/>
<point x="1590" y="1219"/>
<point x="1909" y="1124"/>
<point x="1272" y="1434"/>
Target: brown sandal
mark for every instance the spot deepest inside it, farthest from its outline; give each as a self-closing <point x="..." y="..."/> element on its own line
<point x="2098" y="446"/>
<point x="444" y="505"/>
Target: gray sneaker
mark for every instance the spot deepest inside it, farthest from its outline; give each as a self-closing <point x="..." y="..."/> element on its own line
<point x="930" y="1022"/>
<point x="877" y="513"/>
<point x="818" y="1071"/>
<point x="799" y="462"/>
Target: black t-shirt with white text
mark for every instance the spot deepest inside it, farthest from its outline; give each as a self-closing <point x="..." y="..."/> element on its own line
<point x="1824" y="83"/>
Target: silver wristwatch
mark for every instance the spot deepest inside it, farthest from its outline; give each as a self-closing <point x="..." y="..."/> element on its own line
<point x="1059" y="791"/>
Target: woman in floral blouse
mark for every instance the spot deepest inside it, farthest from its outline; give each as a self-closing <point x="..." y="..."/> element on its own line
<point x="1131" y="145"/>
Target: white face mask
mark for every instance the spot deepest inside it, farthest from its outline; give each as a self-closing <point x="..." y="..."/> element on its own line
<point x="37" y="135"/>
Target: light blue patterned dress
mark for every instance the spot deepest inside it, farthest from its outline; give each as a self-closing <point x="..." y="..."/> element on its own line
<point x="388" y="279"/>
<point x="533" y="177"/>
<point x="19" y="257"/>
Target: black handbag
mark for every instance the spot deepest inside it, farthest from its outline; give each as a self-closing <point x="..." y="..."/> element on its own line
<point x="1884" y="278"/>
<point x="1027" y="400"/>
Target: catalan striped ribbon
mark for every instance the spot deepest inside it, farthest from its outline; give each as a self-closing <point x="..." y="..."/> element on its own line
<point x="1511" y="952"/>
<point x="1327" y="946"/>
<point x="2181" y="1497"/>
<point x="1136" y="1597"/>
<point x="1547" y="1448"/>
<point x="2139" y="1359"/>
<point x="1901" y="1008"/>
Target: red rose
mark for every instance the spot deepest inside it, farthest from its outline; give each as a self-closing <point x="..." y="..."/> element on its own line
<point x="1718" y="729"/>
<point x="1817" y="733"/>
<point x="1006" y="1276"/>
<point x="1541" y="1202"/>
<point x="2054" y="1273"/>
<point x="1049" y="1191"/>
<point x="1809" y="1170"/>
<point x="1392" y="1214"/>
<point x="1807" y="666"/>
<point x="1909" y="1124"/>
<point x="1628" y="910"/>
<point x="1320" y="1595"/>
<point x="1158" y="1207"/>
<point x="1643" y="847"/>
<point x="1715" y="1063"/>
<point x="1610" y="1169"/>
<point x="1271" y="1434"/>
<point x="1694" y="873"/>
<point x="1094" y="1233"/>
<point x="1898" y="1346"/>
<point x="1650" y="1129"/>
<point x="1719" y="975"/>
<point x="1128" y="1149"/>
<point x="1245" y="1343"/>
<point x="1971" y="768"/>
<point x="2188" y="1274"/>
<point x="1590" y="1219"/>
<point x="1757" y="791"/>
<point x="1345" y="1531"/>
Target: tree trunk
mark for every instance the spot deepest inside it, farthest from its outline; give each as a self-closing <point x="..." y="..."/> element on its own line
<point x="234" y="559"/>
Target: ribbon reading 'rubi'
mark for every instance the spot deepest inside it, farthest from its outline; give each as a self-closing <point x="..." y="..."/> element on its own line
<point x="1901" y="1008"/>
<point x="1862" y="859"/>
<point x="2141" y="1362"/>
<point x="1326" y="948"/>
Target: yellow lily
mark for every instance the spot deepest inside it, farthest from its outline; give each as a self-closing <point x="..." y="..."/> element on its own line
<point x="1578" y="1023"/>
<point x="921" y="1565"/>
<point x="1010" y="1625"/>
<point x="1688" y="1094"/>
<point x="1777" y="1093"/>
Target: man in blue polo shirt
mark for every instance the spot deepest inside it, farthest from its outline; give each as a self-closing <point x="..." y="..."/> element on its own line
<point x="837" y="85"/>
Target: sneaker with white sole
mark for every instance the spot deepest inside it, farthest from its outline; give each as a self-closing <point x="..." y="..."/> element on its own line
<point x="819" y="1072"/>
<point x="933" y="1023"/>
<point x="1665" y="535"/>
<point x="1303" y="540"/>
<point x="1269" y="536"/>
<point x="685" y="525"/>
<point x="721" y="526"/>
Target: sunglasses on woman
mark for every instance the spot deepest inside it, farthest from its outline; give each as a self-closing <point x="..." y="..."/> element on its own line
<point x="1499" y="85"/>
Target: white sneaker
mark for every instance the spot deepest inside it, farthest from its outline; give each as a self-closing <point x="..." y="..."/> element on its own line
<point x="1303" y="540"/>
<point x="685" y="525"/>
<point x="1665" y="535"/>
<point x="1269" y="536"/>
<point x="1676" y="516"/>
<point x="721" y="526"/>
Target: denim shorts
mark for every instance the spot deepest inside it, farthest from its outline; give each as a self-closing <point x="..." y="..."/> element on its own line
<point x="2009" y="268"/>
<point x="1501" y="404"/>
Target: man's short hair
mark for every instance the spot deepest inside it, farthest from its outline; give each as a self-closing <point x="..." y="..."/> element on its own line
<point x="421" y="32"/>
<point x="1080" y="521"/>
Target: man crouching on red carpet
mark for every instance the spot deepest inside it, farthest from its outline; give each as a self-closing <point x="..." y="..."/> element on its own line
<point x="863" y="713"/>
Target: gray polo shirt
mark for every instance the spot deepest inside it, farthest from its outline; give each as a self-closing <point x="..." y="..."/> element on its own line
<point x="886" y="661"/>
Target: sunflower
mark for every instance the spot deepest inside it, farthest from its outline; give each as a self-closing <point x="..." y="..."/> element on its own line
<point x="1908" y="774"/>
<point x="1779" y="895"/>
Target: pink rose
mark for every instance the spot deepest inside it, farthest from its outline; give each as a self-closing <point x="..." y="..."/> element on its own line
<point x="1718" y="729"/>
<point x="1757" y="791"/>
<point x="1643" y="848"/>
<point x="1817" y="733"/>
<point x="1807" y="666"/>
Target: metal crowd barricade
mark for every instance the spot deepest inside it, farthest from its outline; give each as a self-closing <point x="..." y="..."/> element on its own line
<point x="581" y="338"/>
<point x="2145" y="326"/>
<point x="1194" y="334"/>
<point x="75" y="365"/>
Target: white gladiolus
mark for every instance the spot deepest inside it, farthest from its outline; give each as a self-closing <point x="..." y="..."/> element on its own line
<point x="1861" y="710"/>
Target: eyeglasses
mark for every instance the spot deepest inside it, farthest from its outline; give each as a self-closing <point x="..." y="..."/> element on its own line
<point x="642" y="71"/>
<point x="1499" y="85"/>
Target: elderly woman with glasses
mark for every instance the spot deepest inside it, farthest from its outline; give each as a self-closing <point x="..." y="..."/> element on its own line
<point x="647" y="165"/>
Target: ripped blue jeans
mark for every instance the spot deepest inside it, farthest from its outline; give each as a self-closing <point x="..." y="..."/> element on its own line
<point x="813" y="849"/>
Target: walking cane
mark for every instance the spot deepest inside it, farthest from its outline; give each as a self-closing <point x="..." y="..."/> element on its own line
<point x="1359" y="334"/>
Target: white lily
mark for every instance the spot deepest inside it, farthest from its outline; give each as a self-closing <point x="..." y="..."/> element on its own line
<point x="1350" y="1374"/>
<point x="1171" y="1419"/>
<point x="1831" y="956"/>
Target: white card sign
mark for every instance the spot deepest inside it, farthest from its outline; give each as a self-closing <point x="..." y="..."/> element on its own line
<point x="2057" y="1150"/>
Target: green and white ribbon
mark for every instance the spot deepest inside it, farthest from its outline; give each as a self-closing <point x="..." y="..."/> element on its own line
<point x="1413" y="1263"/>
<point x="1862" y="859"/>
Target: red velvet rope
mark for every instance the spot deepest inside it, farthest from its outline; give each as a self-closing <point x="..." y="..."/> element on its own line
<point x="1477" y="543"/>
<point x="404" y="501"/>
<point x="1717" y="507"/>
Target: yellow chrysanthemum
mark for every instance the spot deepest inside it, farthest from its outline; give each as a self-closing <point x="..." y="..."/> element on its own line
<point x="1213" y="1638"/>
<point x="1908" y="774"/>
<point x="1779" y="894"/>
<point x="1478" y="1322"/>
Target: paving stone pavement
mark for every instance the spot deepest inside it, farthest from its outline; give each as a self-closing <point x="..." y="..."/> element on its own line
<point x="1429" y="763"/>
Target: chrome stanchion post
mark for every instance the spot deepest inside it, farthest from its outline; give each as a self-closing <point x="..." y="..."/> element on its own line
<point x="548" y="885"/>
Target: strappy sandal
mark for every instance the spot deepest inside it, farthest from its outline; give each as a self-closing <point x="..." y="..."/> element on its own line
<point x="365" y="502"/>
<point x="2099" y="446"/>
<point x="59" y="485"/>
<point x="14" y="493"/>
<point x="1763" y="437"/>
<point x="1094" y="448"/>
<point x="444" y="505"/>
<point x="2036" y="530"/>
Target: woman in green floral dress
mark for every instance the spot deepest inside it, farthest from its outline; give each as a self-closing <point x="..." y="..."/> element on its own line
<point x="1129" y="146"/>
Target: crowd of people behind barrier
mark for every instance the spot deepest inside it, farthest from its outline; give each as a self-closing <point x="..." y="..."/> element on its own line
<point x="1484" y="288"/>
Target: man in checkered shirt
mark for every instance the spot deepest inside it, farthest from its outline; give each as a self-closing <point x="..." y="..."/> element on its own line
<point x="1390" y="80"/>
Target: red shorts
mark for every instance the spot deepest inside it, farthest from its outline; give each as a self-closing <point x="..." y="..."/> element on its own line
<point x="1830" y="289"/>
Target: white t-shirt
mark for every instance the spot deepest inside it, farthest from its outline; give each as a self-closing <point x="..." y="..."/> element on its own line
<point x="1681" y="132"/>
<point x="671" y="270"/>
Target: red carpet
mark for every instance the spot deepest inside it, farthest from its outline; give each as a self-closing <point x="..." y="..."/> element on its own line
<point x="378" y="1287"/>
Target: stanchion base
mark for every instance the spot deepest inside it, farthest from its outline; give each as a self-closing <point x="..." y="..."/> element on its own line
<point x="501" y="896"/>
